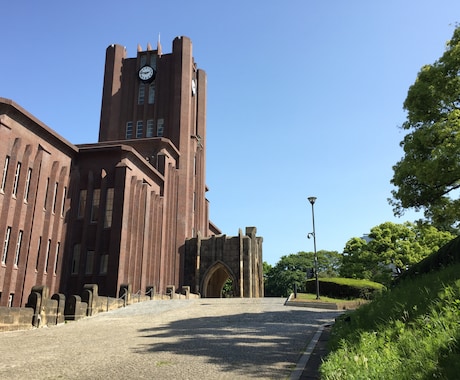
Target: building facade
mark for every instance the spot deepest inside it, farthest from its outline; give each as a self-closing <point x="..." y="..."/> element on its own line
<point x="114" y="212"/>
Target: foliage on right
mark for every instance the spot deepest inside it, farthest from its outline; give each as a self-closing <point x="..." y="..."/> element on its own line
<point x="428" y="176"/>
<point x="390" y="249"/>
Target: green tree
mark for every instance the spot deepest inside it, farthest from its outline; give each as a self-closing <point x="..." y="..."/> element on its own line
<point x="390" y="247"/>
<point x="292" y="269"/>
<point x="428" y="175"/>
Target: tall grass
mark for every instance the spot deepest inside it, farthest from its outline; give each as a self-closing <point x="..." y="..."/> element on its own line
<point x="411" y="331"/>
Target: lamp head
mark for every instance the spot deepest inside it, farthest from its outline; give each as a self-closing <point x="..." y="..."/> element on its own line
<point x="312" y="199"/>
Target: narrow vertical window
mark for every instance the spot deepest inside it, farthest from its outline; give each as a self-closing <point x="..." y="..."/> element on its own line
<point x="149" y="132"/>
<point x="10" y="300"/>
<point x="47" y="258"/>
<point x="56" y="187"/>
<point x="95" y="205"/>
<point x="108" y="209"/>
<point x="153" y="61"/>
<point x="16" y="179"/>
<point x="56" y="258"/>
<point x="5" y="171"/>
<point x="160" y="127"/>
<point x="6" y="243"/>
<point x="82" y="204"/>
<point x="63" y="201"/>
<point x="89" y="262"/>
<point x="27" y="187"/>
<point x="139" y="129"/>
<point x="104" y="264"/>
<point x="18" y="248"/>
<point x="46" y="192"/>
<point x="38" y="253"/>
<point x="129" y="130"/>
<point x="75" y="259"/>
<point x="143" y="59"/>
<point x="141" y="94"/>
<point x="151" y="93"/>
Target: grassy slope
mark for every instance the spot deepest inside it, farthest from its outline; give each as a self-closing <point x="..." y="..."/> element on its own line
<point x="409" y="332"/>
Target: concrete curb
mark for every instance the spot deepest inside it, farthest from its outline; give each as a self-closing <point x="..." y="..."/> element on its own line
<point x="302" y="363"/>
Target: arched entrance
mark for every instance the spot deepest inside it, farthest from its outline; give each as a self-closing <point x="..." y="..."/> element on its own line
<point x="215" y="279"/>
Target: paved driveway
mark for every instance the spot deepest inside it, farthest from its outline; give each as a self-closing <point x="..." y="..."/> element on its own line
<point x="179" y="339"/>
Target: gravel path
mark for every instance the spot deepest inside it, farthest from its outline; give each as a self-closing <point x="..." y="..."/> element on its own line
<point x="237" y="338"/>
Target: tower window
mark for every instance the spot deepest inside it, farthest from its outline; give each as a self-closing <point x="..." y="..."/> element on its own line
<point x="149" y="128"/>
<point x="47" y="258"/>
<point x="152" y="93"/>
<point x="95" y="205"/>
<point x="56" y="187"/>
<point x="82" y="204"/>
<point x="5" y="171"/>
<point x="143" y="59"/>
<point x="141" y="94"/>
<point x="18" y="248"/>
<point x="27" y="187"/>
<point x="75" y="259"/>
<point x="6" y="244"/>
<point x="160" y="127"/>
<point x="129" y="130"/>
<point x="139" y="129"/>
<point x="16" y="179"/>
<point x="108" y="208"/>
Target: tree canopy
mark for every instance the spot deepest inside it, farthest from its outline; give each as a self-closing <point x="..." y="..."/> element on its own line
<point x="292" y="269"/>
<point x="428" y="175"/>
<point x="390" y="247"/>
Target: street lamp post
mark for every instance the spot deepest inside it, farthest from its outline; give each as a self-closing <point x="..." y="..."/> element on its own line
<point x="312" y="201"/>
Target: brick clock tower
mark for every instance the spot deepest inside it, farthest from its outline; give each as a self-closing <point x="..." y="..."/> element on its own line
<point x="157" y="96"/>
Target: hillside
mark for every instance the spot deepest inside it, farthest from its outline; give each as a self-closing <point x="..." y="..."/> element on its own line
<point x="411" y="331"/>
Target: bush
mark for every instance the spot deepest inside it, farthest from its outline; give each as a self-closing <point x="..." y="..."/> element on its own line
<point x="345" y="288"/>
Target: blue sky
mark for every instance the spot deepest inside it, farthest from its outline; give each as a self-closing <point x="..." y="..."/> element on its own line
<point x="304" y="97"/>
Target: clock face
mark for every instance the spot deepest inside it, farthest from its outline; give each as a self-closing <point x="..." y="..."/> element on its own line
<point x="146" y="73"/>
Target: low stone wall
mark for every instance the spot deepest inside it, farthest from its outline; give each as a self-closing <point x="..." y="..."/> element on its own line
<point x="16" y="318"/>
<point x="41" y="310"/>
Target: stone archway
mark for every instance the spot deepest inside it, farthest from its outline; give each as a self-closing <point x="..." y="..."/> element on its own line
<point x="215" y="279"/>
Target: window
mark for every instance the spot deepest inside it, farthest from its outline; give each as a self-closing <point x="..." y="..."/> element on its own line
<point x="38" y="253"/>
<point x="129" y="130"/>
<point x="153" y="61"/>
<point x="89" y="262"/>
<point x="75" y="259"/>
<point x="63" y="201"/>
<point x="143" y="59"/>
<point x="5" y="171"/>
<point x="16" y="179"/>
<point x="104" y="264"/>
<point x="139" y="129"/>
<point x="108" y="209"/>
<point x="160" y="127"/>
<point x="18" y="248"/>
<point x="152" y="93"/>
<point x="56" y="187"/>
<point x="95" y="205"/>
<point x="48" y="247"/>
<point x="10" y="300"/>
<point x="82" y="204"/>
<point x="46" y="192"/>
<point x="141" y="94"/>
<point x="56" y="259"/>
<point x="149" y="128"/>
<point x="6" y="244"/>
<point x="27" y="187"/>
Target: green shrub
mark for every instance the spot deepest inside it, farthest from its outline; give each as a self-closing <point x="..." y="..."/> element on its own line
<point x="345" y="288"/>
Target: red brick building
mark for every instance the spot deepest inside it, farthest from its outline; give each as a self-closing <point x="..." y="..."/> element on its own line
<point x="118" y="211"/>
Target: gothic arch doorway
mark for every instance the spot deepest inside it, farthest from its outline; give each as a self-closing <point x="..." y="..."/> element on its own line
<point x="215" y="279"/>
